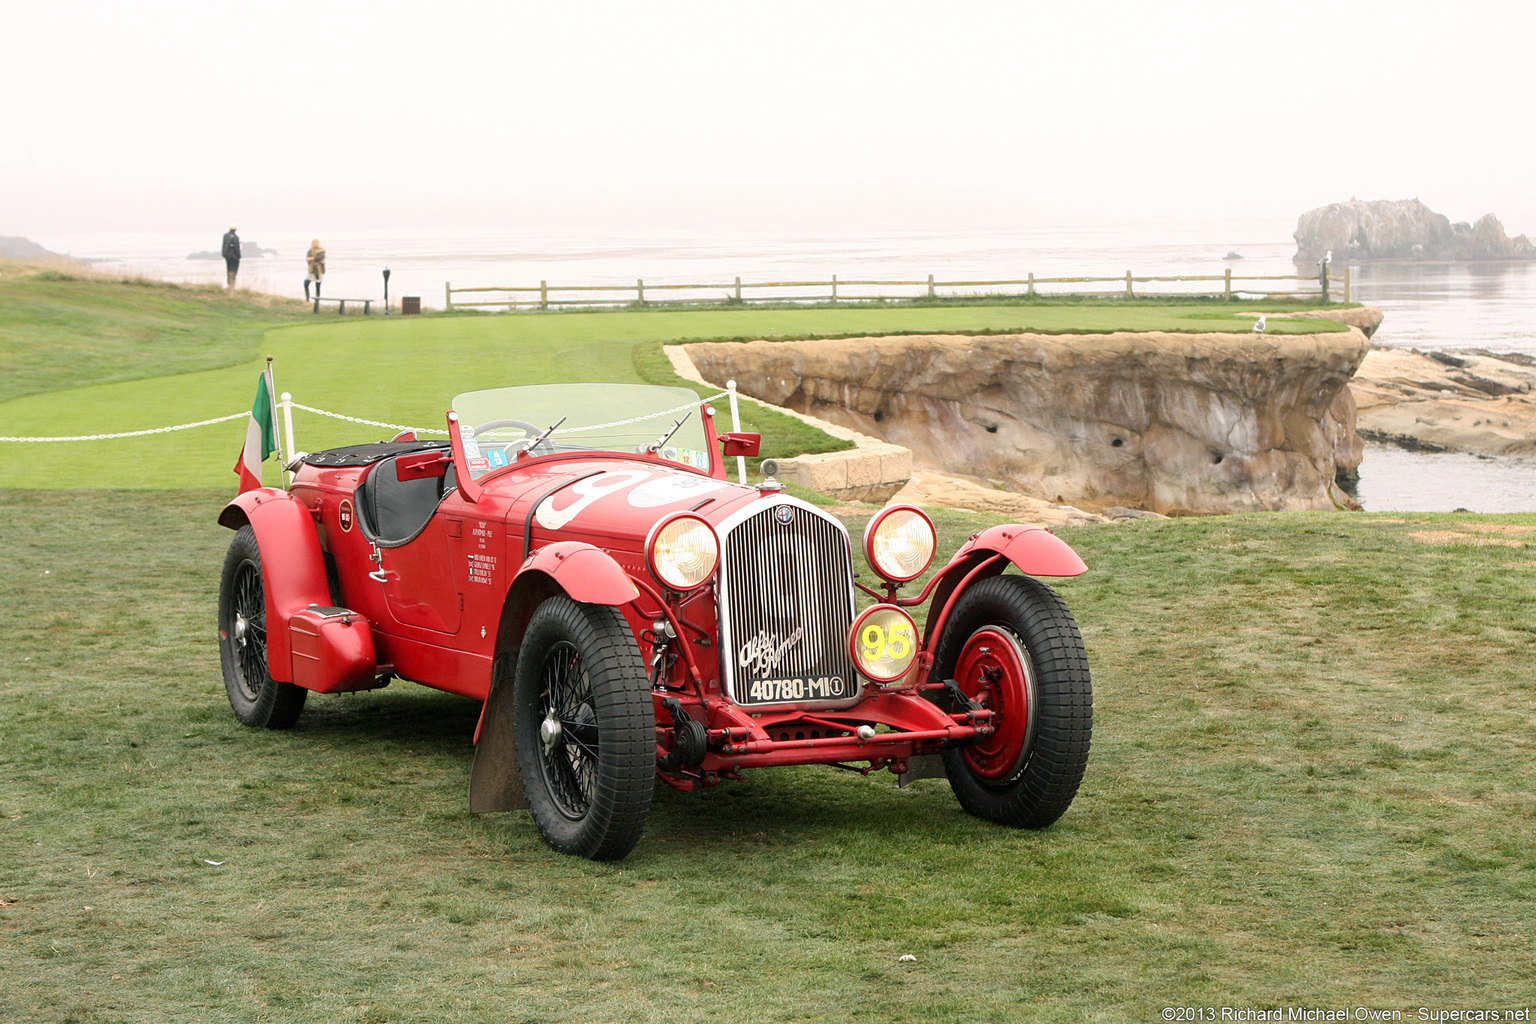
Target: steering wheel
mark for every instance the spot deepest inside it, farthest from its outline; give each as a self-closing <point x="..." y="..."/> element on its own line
<point x="521" y="444"/>
<point x="529" y="430"/>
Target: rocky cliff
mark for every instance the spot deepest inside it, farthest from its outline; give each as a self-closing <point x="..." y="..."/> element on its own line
<point x="1465" y="401"/>
<point x="1171" y="423"/>
<point x="1403" y="229"/>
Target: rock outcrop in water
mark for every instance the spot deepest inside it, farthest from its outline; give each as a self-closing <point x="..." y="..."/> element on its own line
<point x="1403" y="229"/>
<point x="1171" y="423"/>
<point x="1471" y="401"/>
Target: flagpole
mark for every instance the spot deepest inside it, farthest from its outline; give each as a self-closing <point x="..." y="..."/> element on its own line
<point x="282" y="457"/>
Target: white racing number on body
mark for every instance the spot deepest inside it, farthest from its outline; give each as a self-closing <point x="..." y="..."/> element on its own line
<point x="673" y="487"/>
<point x="586" y="492"/>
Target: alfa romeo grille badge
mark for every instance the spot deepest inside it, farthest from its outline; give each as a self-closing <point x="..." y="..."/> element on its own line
<point x="785" y="514"/>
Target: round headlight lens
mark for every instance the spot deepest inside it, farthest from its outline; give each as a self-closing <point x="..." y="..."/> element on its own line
<point x="883" y="642"/>
<point x="899" y="543"/>
<point x="683" y="552"/>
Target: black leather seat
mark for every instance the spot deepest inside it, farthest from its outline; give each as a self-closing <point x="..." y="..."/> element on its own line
<point x="392" y="511"/>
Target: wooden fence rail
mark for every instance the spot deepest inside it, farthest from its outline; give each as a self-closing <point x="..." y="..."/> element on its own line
<point x="735" y="291"/>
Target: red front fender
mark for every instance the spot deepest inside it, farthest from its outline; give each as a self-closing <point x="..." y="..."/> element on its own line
<point x="1034" y="549"/>
<point x="587" y="573"/>
<point x="292" y="567"/>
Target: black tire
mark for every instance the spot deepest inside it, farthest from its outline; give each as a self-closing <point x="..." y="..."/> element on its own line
<point x="590" y="788"/>
<point x="258" y="699"/>
<point x="1033" y="782"/>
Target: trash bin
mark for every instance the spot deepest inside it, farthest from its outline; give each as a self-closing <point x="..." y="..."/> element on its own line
<point x="410" y="304"/>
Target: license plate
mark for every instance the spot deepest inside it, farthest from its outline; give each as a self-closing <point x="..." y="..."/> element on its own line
<point x="799" y="688"/>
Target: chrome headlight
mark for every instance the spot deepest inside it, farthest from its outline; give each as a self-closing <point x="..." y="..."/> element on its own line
<point x="883" y="642"/>
<point x="899" y="543"/>
<point x="682" y="551"/>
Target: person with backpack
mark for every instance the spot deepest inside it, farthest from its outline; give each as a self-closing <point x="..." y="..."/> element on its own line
<point x="231" y="251"/>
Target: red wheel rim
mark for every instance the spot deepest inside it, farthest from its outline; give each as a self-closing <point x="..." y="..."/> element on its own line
<point x="994" y="670"/>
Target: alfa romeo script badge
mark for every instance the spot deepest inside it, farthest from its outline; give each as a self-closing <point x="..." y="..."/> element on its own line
<point x="785" y="514"/>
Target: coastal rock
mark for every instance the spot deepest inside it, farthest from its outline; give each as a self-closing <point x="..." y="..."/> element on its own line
<point x="248" y="251"/>
<point x="1402" y="229"/>
<point x="14" y="247"/>
<point x="1465" y="401"/>
<point x="1172" y="423"/>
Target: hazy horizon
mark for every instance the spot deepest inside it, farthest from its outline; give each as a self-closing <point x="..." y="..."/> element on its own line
<point x="181" y="118"/>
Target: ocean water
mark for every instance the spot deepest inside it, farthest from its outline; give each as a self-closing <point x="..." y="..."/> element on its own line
<point x="1427" y="305"/>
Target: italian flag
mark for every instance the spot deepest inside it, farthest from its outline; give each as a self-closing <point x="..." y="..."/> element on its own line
<point x="260" y="436"/>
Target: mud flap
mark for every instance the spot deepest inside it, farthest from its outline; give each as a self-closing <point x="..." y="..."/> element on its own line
<point x="494" y="782"/>
<point x="923" y="766"/>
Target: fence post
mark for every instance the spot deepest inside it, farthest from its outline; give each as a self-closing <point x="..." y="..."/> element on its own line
<point x="738" y="291"/>
<point x="1031" y="284"/>
<point x="447" y="298"/>
<point x="834" y="289"/>
<point x="930" y="286"/>
<point x="1229" y="284"/>
<point x="543" y="294"/>
<point x="1323" y="281"/>
<point x="1128" y="293"/>
<point x="1346" y="285"/>
<point x="640" y="290"/>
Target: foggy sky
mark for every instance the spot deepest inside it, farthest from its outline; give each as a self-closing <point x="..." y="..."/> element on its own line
<point x="324" y="117"/>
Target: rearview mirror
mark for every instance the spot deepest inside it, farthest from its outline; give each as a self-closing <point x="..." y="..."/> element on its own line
<point x="741" y="444"/>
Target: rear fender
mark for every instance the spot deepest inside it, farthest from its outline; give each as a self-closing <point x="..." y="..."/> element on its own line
<point x="292" y="566"/>
<point x="584" y="573"/>
<point x="1034" y="549"/>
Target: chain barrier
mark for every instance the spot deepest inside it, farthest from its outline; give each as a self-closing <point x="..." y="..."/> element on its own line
<point x="349" y="419"/>
<point x="371" y="423"/>
<point x="135" y="433"/>
<point x="647" y="416"/>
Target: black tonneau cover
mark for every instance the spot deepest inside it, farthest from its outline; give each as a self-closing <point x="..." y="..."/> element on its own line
<point x="368" y="454"/>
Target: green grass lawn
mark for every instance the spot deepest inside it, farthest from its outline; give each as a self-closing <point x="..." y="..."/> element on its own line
<point x="1310" y="785"/>
<point x="59" y="331"/>
<point x="92" y="356"/>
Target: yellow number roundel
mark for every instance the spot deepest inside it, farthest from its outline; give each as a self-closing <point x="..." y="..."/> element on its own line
<point x="883" y="642"/>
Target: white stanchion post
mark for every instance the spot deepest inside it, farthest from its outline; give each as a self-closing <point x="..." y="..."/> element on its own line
<point x="288" y="431"/>
<point x="741" y="462"/>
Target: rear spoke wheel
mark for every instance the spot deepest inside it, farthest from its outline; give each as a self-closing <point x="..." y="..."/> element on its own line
<point x="257" y="698"/>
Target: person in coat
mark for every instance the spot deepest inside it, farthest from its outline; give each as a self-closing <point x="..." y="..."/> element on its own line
<point x="316" y="260"/>
<point x="231" y="252"/>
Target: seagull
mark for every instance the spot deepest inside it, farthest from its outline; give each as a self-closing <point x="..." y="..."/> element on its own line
<point x="1327" y="258"/>
<point x="1258" y="326"/>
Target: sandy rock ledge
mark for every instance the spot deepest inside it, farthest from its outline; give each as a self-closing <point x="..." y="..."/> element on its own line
<point x="1172" y="423"/>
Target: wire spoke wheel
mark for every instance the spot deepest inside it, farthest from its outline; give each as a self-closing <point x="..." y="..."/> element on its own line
<point x="569" y="761"/>
<point x="257" y="698"/>
<point x="250" y="629"/>
<point x="584" y="726"/>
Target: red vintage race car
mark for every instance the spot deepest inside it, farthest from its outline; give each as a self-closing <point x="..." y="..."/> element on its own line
<point x="575" y="557"/>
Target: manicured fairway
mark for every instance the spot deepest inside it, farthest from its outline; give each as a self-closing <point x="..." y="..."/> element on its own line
<point x="1310" y="786"/>
<point x="396" y="370"/>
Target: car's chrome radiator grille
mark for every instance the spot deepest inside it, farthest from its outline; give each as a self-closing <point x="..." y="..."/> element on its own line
<point x="787" y="591"/>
